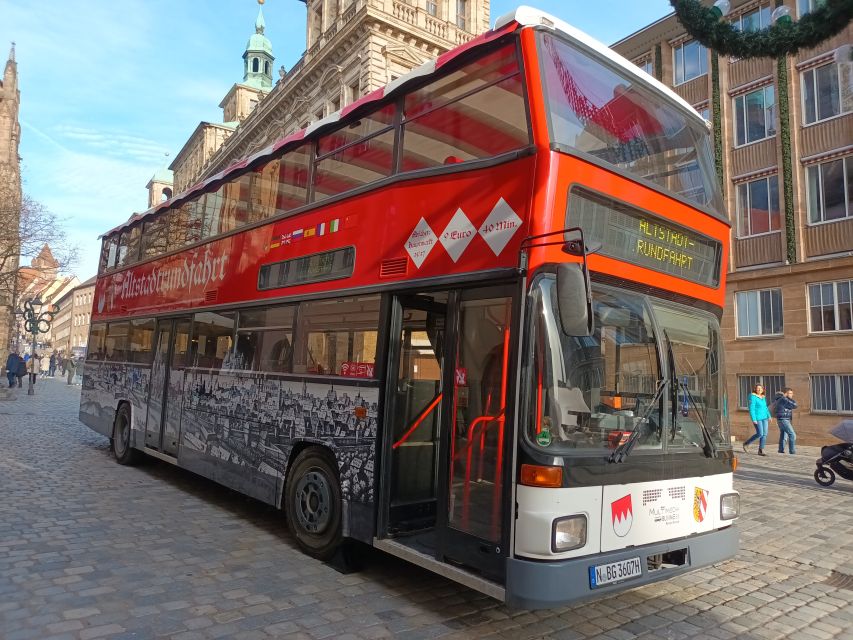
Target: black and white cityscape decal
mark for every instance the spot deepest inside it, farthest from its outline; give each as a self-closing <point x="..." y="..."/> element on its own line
<point x="247" y="419"/>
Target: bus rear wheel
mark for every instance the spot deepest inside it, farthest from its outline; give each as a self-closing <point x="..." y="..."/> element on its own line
<point x="313" y="504"/>
<point x="120" y="442"/>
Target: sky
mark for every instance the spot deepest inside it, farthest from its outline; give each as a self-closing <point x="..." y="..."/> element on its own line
<point x="108" y="88"/>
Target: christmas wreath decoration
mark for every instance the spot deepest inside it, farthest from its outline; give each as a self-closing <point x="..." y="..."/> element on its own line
<point x="784" y="37"/>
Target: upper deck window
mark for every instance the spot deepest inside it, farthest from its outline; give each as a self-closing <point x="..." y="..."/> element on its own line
<point x="614" y="117"/>
<point x="477" y="111"/>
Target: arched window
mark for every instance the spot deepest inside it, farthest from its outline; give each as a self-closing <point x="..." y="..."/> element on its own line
<point x="267" y="67"/>
<point x="166" y="194"/>
<point x="255" y="65"/>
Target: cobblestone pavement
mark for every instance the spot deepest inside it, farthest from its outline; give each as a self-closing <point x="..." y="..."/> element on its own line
<point x="90" y="549"/>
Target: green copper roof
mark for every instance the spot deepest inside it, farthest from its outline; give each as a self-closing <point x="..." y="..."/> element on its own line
<point x="162" y="175"/>
<point x="258" y="41"/>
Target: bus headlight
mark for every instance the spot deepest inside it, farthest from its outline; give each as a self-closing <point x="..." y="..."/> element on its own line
<point x="729" y="506"/>
<point x="568" y="533"/>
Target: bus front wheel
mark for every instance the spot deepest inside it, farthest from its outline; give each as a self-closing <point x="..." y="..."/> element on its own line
<point x="313" y="505"/>
<point x="120" y="442"/>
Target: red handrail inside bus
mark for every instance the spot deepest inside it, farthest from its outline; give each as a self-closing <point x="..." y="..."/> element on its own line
<point x="418" y="421"/>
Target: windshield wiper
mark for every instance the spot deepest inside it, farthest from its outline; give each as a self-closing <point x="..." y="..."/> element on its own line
<point x="710" y="448"/>
<point x="621" y="452"/>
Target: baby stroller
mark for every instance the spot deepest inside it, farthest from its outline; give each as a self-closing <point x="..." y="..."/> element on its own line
<point x="836" y="458"/>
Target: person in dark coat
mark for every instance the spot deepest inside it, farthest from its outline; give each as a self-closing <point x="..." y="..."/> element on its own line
<point x="21" y="371"/>
<point x="784" y="406"/>
<point x="12" y="368"/>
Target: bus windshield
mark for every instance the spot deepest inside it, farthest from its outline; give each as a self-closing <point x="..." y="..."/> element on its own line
<point x="605" y="113"/>
<point x="592" y="392"/>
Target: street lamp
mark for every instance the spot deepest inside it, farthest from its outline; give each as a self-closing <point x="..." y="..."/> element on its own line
<point x="36" y="321"/>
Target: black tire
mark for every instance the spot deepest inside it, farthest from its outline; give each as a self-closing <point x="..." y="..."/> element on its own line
<point x="120" y="442"/>
<point x="824" y="476"/>
<point x="313" y="504"/>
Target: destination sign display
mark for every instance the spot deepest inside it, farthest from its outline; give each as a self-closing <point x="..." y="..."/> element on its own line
<point x="644" y="239"/>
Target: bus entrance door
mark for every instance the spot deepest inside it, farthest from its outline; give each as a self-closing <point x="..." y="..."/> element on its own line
<point x="415" y="412"/>
<point x="444" y="488"/>
<point x="163" y="424"/>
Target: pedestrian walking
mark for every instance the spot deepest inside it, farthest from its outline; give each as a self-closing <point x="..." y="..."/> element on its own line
<point x="33" y="367"/>
<point x="12" y="368"/>
<point x="45" y="365"/>
<point x="54" y="357"/>
<point x="21" y="371"/>
<point x="760" y="415"/>
<point x="783" y="407"/>
<point x="70" y="367"/>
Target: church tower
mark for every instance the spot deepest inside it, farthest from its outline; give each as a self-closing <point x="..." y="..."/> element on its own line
<point x="10" y="197"/>
<point x="352" y="47"/>
<point x="258" y="57"/>
<point x="194" y="157"/>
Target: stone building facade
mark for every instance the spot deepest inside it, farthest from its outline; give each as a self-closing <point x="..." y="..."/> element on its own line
<point x="71" y="324"/>
<point x="352" y="48"/>
<point x="784" y="137"/>
<point x="10" y="197"/>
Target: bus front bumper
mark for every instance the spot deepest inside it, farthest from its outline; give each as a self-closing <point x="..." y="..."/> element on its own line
<point x="537" y="584"/>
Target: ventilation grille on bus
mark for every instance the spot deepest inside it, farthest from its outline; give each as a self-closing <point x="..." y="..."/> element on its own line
<point x="393" y="267"/>
<point x="210" y="296"/>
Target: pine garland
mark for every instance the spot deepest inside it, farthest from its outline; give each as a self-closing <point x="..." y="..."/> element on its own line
<point x="717" y="119"/>
<point x="828" y="19"/>
<point x="658" y="63"/>
<point x="787" y="168"/>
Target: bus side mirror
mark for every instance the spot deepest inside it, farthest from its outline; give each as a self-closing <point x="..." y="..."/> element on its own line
<point x="574" y="300"/>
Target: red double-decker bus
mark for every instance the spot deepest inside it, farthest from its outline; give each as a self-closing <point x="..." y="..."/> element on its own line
<point x="472" y="319"/>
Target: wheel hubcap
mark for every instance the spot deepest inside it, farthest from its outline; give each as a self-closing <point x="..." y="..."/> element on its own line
<point x="313" y="502"/>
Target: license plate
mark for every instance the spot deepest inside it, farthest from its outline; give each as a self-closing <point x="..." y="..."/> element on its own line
<point x="602" y="574"/>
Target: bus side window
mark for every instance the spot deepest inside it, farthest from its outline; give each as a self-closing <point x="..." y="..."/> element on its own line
<point x="115" y="343"/>
<point x="212" y="340"/>
<point x="265" y="340"/>
<point x="95" y="350"/>
<point x="337" y="337"/>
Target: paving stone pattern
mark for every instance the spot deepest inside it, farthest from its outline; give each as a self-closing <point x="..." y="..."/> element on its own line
<point x="90" y="549"/>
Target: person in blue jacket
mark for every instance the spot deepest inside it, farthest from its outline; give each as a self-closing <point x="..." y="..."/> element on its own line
<point x="783" y="406"/>
<point x="760" y="415"/>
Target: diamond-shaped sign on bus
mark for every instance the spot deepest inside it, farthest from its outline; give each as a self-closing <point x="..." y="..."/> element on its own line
<point x="457" y="234"/>
<point x="497" y="230"/>
<point x="421" y="242"/>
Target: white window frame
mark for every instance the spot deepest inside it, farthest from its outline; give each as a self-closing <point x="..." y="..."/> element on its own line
<point x="763" y="17"/>
<point x="678" y="54"/>
<point x="462" y="16"/>
<point x="758" y="378"/>
<point x="741" y="233"/>
<point x="847" y="187"/>
<point x="432" y="8"/>
<point x="836" y="306"/>
<point x="811" y="7"/>
<point x="838" y="389"/>
<point x="743" y="298"/>
<point x="769" y="116"/>
<point x="647" y="65"/>
<point x="839" y="83"/>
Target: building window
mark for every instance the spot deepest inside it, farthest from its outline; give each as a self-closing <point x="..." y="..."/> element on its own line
<point x="353" y="92"/>
<point x="646" y="65"/>
<point x="807" y="6"/>
<point x="830" y="190"/>
<point x="832" y="393"/>
<point x="758" y="207"/>
<point x="266" y="67"/>
<point x="255" y="64"/>
<point x="755" y="115"/>
<point x="745" y="385"/>
<point x="705" y="112"/>
<point x="754" y="20"/>
<point x="462" y="14"/>
<point x="759" y="313"/>
<point x="827" y="92"/>
<point x="432" y="8"/>
<point x="690" y="60"/>
<point x="831" y="306"/>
